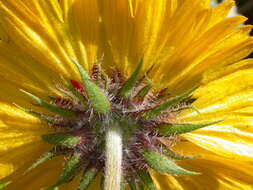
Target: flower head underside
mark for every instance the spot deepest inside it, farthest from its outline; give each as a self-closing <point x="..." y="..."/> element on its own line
<point x="165" y="80"/>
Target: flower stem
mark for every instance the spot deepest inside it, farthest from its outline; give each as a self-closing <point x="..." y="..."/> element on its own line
<point x="113" y="162"/>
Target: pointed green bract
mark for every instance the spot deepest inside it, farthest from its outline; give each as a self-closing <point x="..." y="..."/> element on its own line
<point x="194" y="108"/>
<point x="173" y="155"/>
<point x="140" y="186"/>
<point x="61" y="139"/>
<point x="87" y="178"/>
<point x="162" y="164"/>
<point x="45" y="157"/>
<point x="147" y="180"/>
<point x="145" y="90"/>
<point x="163" y="107"/>
<point x="177" y="129"/>
<point x="134" y="185"/>
<point x="3" y="185"/>
<point x="38" y="115"/>
<point x="52" y="108"/>
<point x="71" y="169"/>
<point x="98" y="99"/>
<point x="42" y="116"/>
<point x="130" y="83"/>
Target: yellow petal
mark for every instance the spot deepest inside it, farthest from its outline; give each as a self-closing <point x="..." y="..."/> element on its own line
<point x="228" y="98"/>
<point x="23" y="21"/>
<point x="221" y="11"/>
<point x="15" y="161"/>
<point x="42" y="176"/>
<point x="39" y="29"/>
<point x="19" y="132"/>
<point x="216" y="172"/>
<point x="19" y="70"/>
<point x="185" y="69"/>
<point x="85" y="30"/>
<point x="214" y="73"/>
<point x="165" y="181"/>
<point x="119" y="39"/>
<point x="223" y="172"/>
<point x="147" y="28"/>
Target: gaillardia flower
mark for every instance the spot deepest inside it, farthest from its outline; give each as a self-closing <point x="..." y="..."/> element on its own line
<point x="117" y="94"/>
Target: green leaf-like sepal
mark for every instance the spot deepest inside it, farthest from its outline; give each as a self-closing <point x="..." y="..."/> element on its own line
<point x="177" y="129"/>
<point x="71" y="169"/>
<point x="61" y="139"/>
<point x="163" y="107"/>
<point x="147" y="180"/>
<point x="87" y="178"/>
<point x="173" y="155"/>
<point x="145" y="90"/>
<point x="125" y="91"/>
<point x="134" y="185"/>
<point x="162" y="164"/>
<point x="52" y="108"/>
<point x="3" y="185"/>
<point x="42" y="159"/>
<point x="98" y="99"/>
<point x="38" y="115"/>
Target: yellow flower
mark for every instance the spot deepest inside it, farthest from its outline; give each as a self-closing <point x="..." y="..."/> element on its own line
<point x="183" y="44"/>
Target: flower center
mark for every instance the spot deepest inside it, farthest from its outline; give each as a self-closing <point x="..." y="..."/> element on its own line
<point x="145" y="117"/>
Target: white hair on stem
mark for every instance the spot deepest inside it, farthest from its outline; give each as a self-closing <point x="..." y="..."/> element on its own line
<point x="113" y="156"/>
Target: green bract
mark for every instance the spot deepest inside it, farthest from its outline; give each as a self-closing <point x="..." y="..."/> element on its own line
<point x="98" y="99"/>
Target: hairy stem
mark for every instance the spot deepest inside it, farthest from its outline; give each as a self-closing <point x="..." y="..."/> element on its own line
<point x="113" y="163"/>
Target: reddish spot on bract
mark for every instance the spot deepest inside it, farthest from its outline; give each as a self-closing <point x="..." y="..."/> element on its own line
<point x="77" y="85"/>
